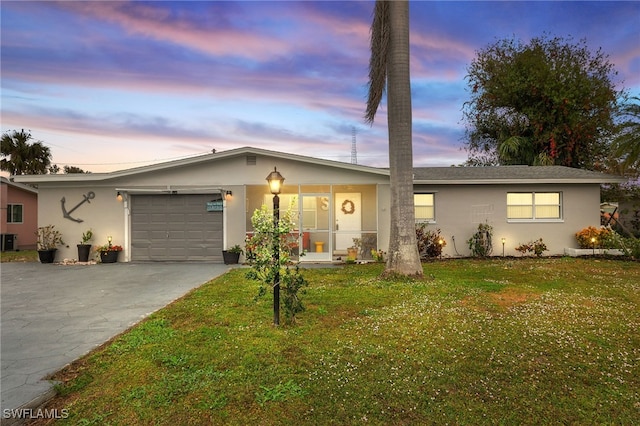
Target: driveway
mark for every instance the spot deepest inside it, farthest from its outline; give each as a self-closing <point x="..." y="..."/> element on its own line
<point x="53" y="314"/>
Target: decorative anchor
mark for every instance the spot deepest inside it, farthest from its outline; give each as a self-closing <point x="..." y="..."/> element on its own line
<point x="67" y="214"/>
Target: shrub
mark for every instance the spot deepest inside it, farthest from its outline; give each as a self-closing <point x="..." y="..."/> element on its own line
<point x="537" y="247"/>
<point x="480" y="243"/>
<point x="603" y="237"/>
<point x="263" y="266"/>
<point x="430" y="243"/>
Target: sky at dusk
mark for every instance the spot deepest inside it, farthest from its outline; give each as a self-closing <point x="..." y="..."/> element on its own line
<point x="113" y="85"/>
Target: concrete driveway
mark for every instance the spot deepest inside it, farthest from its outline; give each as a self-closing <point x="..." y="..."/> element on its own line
<point x="53" y="314"/>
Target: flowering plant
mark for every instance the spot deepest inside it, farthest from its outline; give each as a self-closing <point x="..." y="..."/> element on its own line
<point x="591" y="237"/>
<point x="108" y="247"/>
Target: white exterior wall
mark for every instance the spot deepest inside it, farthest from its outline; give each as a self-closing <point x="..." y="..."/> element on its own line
<point x="460" y="208"/>
<point x="104" y="215"/>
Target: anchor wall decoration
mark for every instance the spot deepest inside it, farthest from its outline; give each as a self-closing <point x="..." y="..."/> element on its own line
<point x="67" y="214"/>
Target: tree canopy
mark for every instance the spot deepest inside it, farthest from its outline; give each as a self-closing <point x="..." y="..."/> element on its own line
<point x="21" y="157"/>
<point x="547" y="102"/>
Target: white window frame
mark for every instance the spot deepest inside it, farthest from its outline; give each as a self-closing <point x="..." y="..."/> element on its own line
<point x="533" y="206"/>
<point x="10" y="207"/>
<point x="432" y="206"/>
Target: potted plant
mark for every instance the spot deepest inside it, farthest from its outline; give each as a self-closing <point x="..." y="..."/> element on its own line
<point x="109" y="252"/>
<point x="232" y="255"/>
<point x="352" y="252"/>
<point x="83" y="248"/>
<point x="48" y="241"/>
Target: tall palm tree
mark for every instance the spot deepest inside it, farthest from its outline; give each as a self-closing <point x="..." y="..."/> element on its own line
<point x="21" y="157"/>
<point x="389" y="63"/>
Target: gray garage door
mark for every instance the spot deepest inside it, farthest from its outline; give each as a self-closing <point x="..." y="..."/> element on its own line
<point x="175" y="227"/>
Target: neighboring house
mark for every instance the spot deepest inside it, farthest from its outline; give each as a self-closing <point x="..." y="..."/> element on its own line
<point x="19" y="216"/>
<point x="191" y="209"/>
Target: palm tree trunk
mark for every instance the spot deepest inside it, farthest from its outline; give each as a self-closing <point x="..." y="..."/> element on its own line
<point x="403" y="255"/>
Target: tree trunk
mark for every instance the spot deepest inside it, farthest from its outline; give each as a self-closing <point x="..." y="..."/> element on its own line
<point x="403" y="249"/>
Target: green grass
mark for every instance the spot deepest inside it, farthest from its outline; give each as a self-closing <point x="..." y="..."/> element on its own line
<point x="19" y="256"/>
<point x="521" y="341"/>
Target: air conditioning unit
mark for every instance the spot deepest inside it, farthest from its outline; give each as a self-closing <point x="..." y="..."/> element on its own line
<point x="9" y="242"/>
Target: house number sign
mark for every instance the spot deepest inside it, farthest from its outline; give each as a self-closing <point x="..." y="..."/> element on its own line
<point x="67" y="213"/>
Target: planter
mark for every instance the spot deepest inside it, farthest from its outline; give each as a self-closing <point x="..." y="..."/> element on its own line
<point x="109" y="256"/>
<point x="574" y="252"/>
<point x="230" y="258"/>
<point x="47" y="256"/>
<point x="83" y="252"/>
<point x="352" y="252"/>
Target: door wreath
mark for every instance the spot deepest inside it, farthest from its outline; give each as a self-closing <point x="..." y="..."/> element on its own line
<point x="348" y="207"/>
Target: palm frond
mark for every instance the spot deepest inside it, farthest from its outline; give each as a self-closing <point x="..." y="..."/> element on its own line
<point x="378" y="61"/>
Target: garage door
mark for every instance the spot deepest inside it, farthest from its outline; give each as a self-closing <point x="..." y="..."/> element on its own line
<point x="175" y="227"/>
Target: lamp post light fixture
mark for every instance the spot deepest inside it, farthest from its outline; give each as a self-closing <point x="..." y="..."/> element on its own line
<point x="275" y="181"/>
<point x="109" y="239"/>
<point x="593" y="245"/>
<point x="440" y="242"/>
<point x="504" y="240"/>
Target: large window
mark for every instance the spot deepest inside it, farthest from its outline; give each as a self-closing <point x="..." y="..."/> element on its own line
<point x="534" y="205"/>
<point x="424" y="207"/>
<point x="14" y="213"/>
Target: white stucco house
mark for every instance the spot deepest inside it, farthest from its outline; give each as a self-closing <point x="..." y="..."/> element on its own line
<point x="192" y="209"/>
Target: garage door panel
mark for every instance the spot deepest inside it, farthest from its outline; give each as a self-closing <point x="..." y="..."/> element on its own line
<point x="193" y="233"/>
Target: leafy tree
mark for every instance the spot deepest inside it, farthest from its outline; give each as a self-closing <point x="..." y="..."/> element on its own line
<point x="548" y="102"/>
<point x="73" y="169"/>
<point x="20" y="157"/>
<point x="389" y="63"/>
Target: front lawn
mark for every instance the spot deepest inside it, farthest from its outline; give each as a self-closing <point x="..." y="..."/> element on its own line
<point x="500" y="341"/>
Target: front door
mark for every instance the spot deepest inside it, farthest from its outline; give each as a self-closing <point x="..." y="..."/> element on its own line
<point x="348" y="219"/>
<point x="315" y="212"/>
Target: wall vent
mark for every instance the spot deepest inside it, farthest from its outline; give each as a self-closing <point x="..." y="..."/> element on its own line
<point x="251" y="160"/>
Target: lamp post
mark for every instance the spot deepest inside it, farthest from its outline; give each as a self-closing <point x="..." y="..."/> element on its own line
<point x="275" y="180"/>
<point x="504" y="240"/>
<point x="593" y="245"/>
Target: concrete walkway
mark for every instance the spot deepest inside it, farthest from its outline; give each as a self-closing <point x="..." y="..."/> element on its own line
<point x="53" y="314"/>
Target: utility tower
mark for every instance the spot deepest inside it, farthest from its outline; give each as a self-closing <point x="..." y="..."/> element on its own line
<point x="354" y="153"/>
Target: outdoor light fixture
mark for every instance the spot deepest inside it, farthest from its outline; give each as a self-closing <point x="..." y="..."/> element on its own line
<point x="228" y="195"/>
<point x="119" y="196"/>
<point x="109" y="239"/>
<point x="275" y="181"/>
<point x="441" y="242"/>
<point x="593" y="245"/>
<point x="504" y="240"/>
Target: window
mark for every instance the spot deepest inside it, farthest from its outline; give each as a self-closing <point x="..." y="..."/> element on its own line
<point x="14" y="213"/>
<point x="534" y="205"/>
<point x="424" y="207"/>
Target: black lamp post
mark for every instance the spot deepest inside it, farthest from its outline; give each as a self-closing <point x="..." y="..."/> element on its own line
<point x="275" y="180"/>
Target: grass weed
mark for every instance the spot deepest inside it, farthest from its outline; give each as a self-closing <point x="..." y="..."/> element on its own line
<point x="499" y="341"/>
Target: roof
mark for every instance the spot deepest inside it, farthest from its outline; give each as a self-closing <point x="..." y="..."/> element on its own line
<point x="422" y="175"/>
<point x="216" y="156"/>
<point x="509" y="174"/>
<point x="20" y="186"/>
